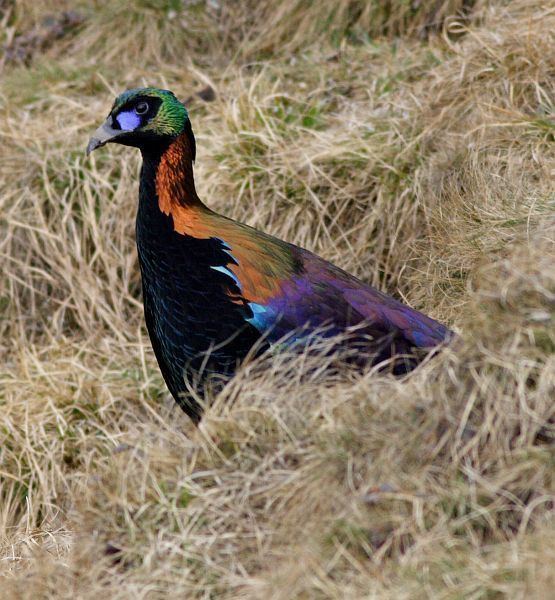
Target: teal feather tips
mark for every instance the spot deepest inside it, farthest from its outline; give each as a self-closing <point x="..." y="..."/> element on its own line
<point x="171" y="116"/>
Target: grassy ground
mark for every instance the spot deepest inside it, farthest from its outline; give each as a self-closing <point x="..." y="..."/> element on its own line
<point x="410" y="143"/>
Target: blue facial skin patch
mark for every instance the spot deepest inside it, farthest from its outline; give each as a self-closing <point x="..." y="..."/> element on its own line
<point x="128" y="120"/>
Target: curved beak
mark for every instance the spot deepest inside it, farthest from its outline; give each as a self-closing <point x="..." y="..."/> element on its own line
<point x="104" y="134"/>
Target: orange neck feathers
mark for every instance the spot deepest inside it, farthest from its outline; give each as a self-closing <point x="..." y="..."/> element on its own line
<point x="175" y="186"/>
<point x="247" y="247"/>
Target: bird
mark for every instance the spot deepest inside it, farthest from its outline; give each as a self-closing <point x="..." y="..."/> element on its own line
<point x="217" y="291"/>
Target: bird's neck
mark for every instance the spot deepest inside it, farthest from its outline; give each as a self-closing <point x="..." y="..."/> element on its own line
<point x="168" y="172"/>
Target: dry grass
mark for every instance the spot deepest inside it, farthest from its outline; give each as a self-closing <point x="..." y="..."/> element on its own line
<point x="423" y="163"/>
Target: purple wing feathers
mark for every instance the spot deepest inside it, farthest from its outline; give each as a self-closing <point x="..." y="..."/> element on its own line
<point x="322" y="295"/>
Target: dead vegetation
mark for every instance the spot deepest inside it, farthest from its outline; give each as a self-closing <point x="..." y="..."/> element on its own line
<point x="413" y="147"/>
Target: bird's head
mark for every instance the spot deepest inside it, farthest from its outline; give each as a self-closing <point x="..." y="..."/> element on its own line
<point x="142" y="117"/>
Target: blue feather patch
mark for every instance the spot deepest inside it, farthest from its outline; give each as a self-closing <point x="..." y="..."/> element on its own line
<point x="261" y="316"/>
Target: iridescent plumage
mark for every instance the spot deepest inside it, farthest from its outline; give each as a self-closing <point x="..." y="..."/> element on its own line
<point x="214" y="289"/>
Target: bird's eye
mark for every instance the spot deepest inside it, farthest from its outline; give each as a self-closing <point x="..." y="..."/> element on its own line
<point x="141" y="108"/>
